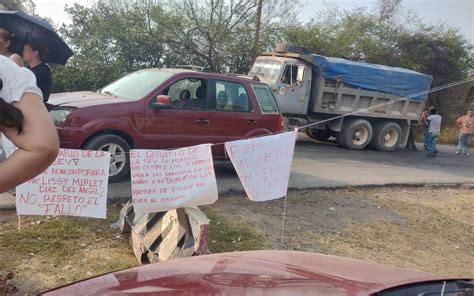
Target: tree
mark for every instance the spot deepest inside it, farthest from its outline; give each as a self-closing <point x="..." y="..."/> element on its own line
<point x="114" y="37"/>
<point x="23" y="5"/>
<point x="109" y="39"/>
<point x="258" y="23"/>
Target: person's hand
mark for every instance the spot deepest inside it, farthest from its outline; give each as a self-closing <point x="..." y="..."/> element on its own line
<point x="18" y="60"/>
<point x="38" y="144"/>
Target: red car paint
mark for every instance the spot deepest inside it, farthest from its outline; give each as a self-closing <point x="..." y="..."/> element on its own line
<point x="253" y="273"/>
<point x="150" y="128"/>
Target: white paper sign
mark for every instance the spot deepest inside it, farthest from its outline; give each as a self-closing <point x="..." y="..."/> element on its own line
<point x="168" y="179"/>
<point x="74" y="185"/>
<point x="263" y="164"/>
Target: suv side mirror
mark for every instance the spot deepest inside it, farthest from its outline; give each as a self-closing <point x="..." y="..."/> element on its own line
<point x="162" y="102"/>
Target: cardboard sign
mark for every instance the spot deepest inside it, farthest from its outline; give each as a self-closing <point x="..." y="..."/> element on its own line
<point x="263" y="164"/>
<point x="74" y="185"/>
<point x="169" y="179"/>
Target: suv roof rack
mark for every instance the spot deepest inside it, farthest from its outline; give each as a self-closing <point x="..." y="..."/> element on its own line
<point x="189" y="67"/>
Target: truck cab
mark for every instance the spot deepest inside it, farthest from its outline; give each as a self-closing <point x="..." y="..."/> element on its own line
<point x="290" y="80"/>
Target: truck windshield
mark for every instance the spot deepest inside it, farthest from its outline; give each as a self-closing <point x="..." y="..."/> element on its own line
<point x="266" y="70"/>
<point x="136" y="85"/>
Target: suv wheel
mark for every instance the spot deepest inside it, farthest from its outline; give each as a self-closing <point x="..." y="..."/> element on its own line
<point x="119" y="157"/>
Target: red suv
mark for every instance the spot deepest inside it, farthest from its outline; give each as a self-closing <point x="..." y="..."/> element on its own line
<point x="164" y="108"/>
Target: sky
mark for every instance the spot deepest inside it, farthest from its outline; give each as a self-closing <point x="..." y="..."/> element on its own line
<point x="455" y="13"/>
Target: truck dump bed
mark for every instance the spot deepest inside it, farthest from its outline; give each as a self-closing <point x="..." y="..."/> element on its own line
<point x="389" y="80"/>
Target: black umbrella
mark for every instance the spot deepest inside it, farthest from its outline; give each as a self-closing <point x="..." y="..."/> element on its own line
<point x="26" y="28"/>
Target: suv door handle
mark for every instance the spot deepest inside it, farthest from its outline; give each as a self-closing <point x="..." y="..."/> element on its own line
<point x="202" y="121"/>
<point x="252" y="122"/>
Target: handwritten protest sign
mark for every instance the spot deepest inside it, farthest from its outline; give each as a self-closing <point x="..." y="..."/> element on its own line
<point x="74" y="185"/>
<point x="263" y="164"/>
<point x="168" y="179"/>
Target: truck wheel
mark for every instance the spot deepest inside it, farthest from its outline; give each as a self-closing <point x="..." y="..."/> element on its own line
<point x="356" y="134"/>
<point x="318" y="134"/>
<point x="119" y="157"/>
<point x="387" y="136"/>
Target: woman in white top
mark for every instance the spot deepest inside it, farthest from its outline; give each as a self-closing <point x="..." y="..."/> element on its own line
<point x="25" y="121"/>
<point x="5" y="42"/>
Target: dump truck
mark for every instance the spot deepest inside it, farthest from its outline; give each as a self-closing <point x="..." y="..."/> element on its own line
<point x="360" y="104"/>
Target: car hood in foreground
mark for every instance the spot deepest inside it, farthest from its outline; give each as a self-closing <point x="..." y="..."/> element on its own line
<point x="82" y="99"/>
<point x="249" y="273"/>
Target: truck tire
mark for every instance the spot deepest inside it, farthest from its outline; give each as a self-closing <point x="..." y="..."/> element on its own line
<point x="387" y="136"/>
<point x="318" y="135"/>
<point x="119" y="154"/>
<point x="356" y="134"/>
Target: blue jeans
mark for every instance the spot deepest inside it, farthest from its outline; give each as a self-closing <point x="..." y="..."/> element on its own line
<point x="426" y="138"/>
<point x="432" y="139"/>
<point x="463" y="145"/>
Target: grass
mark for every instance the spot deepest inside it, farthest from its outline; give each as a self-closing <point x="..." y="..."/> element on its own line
<point x="448" y="136"/>
<point x="228" y="234"/>
<point x="55" y="251"/>
<point x="435" y="235"/>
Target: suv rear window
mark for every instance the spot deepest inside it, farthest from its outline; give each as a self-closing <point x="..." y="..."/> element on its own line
<point x="265" y="99"/>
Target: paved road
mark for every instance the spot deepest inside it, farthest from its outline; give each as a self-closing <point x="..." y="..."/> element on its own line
<point x="318" y="164"/>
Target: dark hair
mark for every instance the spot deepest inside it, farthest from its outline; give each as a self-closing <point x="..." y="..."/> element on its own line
<point x="5" y="35"/>
<point x="41" y="49"/>
<point x="433" y="111"/>
<point x="10" y="116"/>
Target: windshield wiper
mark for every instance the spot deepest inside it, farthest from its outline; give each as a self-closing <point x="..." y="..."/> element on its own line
<point x="109" y="93"/>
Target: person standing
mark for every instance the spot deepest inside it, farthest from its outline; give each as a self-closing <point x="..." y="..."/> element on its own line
<point x="434" y="127"/>
<point x="5" y="43"/>
<point x="34" y="56"/>
<point x="424" y="115"/>
<point x="466" y="130"/>
<point x="411" y="137"/>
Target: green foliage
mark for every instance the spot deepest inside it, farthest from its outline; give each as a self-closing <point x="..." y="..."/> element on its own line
<point x="23" y="5"/>
<point x="109" y="39"/>
<point x="115" y="37"/>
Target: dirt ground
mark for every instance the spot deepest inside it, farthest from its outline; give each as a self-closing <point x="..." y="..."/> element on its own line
<point x="428" y="229"/>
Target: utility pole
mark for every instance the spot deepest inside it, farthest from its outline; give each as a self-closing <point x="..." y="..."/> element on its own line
<point x="258" y="21"/>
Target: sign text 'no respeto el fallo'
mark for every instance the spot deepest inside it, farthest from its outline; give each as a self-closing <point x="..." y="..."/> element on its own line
<point x="74" y="185"/>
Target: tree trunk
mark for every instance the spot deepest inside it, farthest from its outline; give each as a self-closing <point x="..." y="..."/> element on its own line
<point x="256" y="39"/>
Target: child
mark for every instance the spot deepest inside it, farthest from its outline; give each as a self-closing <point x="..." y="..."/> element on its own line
<point x="466" y="130"/>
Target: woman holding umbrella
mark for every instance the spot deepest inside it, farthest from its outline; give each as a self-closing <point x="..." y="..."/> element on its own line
<point x="34" y="54"/>
<point x="25" y="121"/>
<point x="5" y="43"/>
